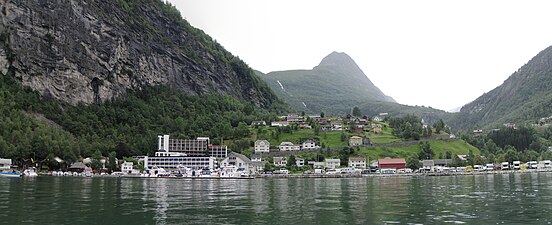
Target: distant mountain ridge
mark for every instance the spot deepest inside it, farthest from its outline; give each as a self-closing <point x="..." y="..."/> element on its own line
<point x="334" y="86"/>
<point x="523" y="98"/>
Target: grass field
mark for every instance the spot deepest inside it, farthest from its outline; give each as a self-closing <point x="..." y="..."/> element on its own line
<point x="440" y="147"/>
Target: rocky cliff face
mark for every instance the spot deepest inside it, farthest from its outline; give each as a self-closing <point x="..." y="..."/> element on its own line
<point x="93" y="51"/>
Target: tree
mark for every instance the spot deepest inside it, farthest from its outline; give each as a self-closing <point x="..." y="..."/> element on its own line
<point x="439" y="126"/>
<point x="356" y="112"/>
<point x="343" y="137"/>
<point x="511" y="154"/>
<point x="291" y="161"/>
<point x="425" y="151"/>
<point x="122" y="150"/>
<point x="322" y="114"/>
<point x="448" y="155"/>
<point x="413" y="162"/>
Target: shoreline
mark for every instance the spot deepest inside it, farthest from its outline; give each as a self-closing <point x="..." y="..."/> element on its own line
<point x="308" y="176"/>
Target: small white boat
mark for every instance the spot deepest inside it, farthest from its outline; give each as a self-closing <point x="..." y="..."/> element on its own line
<point x="30" y="172"/>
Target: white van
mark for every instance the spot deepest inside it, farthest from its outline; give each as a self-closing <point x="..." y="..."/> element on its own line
<point x="516" y="165"/>
<point x="504" y="166"/>
<point x="489" y="167"/>
<point x="532" y="165"/>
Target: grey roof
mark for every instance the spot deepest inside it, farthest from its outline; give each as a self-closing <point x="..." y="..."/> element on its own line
<point x="259" y="141"/>
<point x="442" y="161"/>
<point x="242" y="157"/>
<point x="428" y="163"/>
<point x="333" y="160"/>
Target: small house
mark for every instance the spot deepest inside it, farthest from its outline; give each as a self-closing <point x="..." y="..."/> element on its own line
<point x="262" y="146"/>
<point x="300" y="162"/>
<point x="279" y="161"/>
<point x="309" y="144"/>
<point x="355" y="141"/>
<point x="288" y="146"/>
<point x="357" y="162"/>
<point x="332" y="163"/>
<point x="258" y="123"/>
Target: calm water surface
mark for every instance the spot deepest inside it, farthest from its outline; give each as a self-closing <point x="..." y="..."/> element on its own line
<point x="481" y="199"/>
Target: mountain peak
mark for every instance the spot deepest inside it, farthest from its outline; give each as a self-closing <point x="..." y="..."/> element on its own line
<point x="338" y="59"/>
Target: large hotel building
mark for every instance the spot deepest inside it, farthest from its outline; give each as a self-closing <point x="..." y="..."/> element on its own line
<point x="173" y="154"/>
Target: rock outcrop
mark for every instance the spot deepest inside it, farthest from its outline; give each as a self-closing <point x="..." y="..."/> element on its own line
<point x="93" y="51"/>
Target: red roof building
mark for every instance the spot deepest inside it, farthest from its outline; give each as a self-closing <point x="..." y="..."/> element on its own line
<point x="392" y="163"/>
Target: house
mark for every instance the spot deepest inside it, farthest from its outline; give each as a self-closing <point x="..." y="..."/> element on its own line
<point x="377" y="119"/>
<point x="259" y="166"/>
<point x="336" y="125"/>
<point x="300" y="162"/>
<point x="258" y="123"/>
<point x="355" y="141"/>
<point x="428" y="165"/>
<point x="510" y="125"/>
<point x="463" y="158"/>
<point x="262" y="146"/>
<point x="128" y="168"/>
<point x="256" y="157"/>
<point x="305" y="126"/>
<point x="279" y="161"/>
<point x="442" y="162"/>
<point x="477" y="133"/>
<point x="279" y="124"/>
<point x="240" y="162"/>
<point x="288" y="146"/>
<point x="332" y="163"/>
<point x="377" y="130"/>
<point x="360" y="121"/>
<point x="294" y="118"/>
<point x="357" y="129"/>
<point x="387" y="163"/>
<point x="309" y="144"/>
<point x="357" y="162"/>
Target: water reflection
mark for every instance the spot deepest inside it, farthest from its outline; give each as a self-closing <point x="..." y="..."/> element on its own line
<point x="481" y="199"/>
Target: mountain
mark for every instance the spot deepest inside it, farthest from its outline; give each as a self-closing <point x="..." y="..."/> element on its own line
<point x="93" y="51"/>
<point x="523" y="98"/>
<point x="337" y="85"/>
<point x="103" y="78"/>
<point x="334" y="86"/>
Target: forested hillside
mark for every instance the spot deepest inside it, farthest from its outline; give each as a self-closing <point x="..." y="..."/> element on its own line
<point x="523" y="98"/>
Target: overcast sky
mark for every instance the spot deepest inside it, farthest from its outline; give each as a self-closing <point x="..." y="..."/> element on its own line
<point x="442" y="54"/>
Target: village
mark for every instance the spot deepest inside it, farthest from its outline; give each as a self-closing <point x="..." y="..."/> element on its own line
<point x="199" y="158"/>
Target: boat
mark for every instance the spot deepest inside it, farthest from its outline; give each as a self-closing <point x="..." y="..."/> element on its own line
<point x="10" y="174"/>
<point x="30" y="172"/>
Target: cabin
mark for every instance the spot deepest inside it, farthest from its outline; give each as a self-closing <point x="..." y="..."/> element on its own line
<point x="279" y="161"/>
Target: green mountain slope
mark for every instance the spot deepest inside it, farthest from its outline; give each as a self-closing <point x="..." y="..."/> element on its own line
<point x="326" y="86"/>
<point x="334" y="87"/>
<point x="523" y="98"/>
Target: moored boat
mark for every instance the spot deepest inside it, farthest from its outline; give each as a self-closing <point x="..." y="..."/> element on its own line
<point x="10" y="174"/>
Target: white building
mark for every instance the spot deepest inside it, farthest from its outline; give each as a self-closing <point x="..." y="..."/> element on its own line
<point x="355" y="141"/>
<point x="240" y="162"/>
<point x="128" y="168"/>
<point x="288" y="146"/>
<point x="359" y="163"/>
<point x="198" y="147"/>
<point x="175" y="163"/>
<point x="300" y="162"/>
<point x="5" y="164"/>
<point x="256" y="157"/>
<point x="279" y="161"/>
<point x="332" y="163"/>
<point x="309" y="144"/>
<point x="262" y="146"/>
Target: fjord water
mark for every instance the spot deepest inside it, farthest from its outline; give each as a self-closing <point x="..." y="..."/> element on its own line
<point x="479" y="199"/>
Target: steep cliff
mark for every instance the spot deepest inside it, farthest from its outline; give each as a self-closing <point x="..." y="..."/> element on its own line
<point x="93" y="51"/>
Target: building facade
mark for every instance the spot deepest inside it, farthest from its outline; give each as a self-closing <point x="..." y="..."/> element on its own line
<point x="359" y="163"/>
<point x="262" y="146"/>
<point x="288" y="146"/>
<point x="332" y="163"/>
